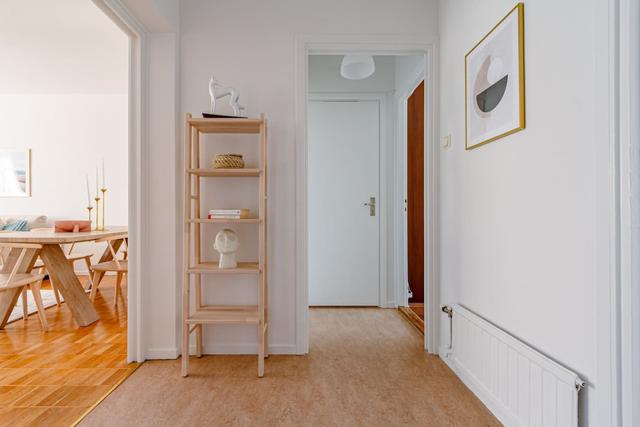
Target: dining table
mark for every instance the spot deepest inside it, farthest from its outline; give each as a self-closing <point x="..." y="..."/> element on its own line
<point x="60" y="270"/>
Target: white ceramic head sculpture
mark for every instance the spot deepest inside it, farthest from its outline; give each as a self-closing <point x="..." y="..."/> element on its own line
<point x="227" y="245"/>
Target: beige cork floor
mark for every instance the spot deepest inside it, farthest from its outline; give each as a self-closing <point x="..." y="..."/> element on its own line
<point x="366" y="367"/>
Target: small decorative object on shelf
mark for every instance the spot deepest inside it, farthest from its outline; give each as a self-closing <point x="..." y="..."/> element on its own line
<point x="228" y="161"/>
<point x="89" y="204"/>
<point x="104" y="206"/>
<point x="72" y="226"/>
<point x="227" y="244"/>
<point x="97" y="199"/>
<point x="103" y="190"/>
<point x="229" y="214"/>
<point x="217" y="91"/>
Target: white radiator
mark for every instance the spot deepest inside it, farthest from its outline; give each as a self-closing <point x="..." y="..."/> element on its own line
<point x="521" y="386"/>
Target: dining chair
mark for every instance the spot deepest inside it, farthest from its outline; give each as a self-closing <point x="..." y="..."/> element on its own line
<point x="118" y="266"/>
<point x="23" y="281"/>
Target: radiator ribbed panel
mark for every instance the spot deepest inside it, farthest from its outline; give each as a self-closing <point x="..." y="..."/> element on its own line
<point x="520" y="385"/>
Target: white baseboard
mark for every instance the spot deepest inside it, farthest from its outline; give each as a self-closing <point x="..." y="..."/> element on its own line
<point x="236" y="349"/>
<point x="445" y="354"/>
<point x="162" y="353"/>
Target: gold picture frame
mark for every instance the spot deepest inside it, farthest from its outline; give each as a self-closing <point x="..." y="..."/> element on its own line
<point x="15" y="172"/>
<point x="490" y="105"/>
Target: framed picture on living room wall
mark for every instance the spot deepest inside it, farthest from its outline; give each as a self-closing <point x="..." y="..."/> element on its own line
<point x="15" y="172"/>
<point x="494" y="82"/>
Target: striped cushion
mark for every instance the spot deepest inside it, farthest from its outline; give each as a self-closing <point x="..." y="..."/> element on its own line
<point x="19" y="225"/>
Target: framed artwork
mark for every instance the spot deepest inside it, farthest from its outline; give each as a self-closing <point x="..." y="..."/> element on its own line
<point x="15" y="172"/>
<point x="494" y="82"/>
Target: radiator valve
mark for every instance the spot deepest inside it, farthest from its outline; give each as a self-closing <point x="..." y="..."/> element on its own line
<point x="448" y="310"/>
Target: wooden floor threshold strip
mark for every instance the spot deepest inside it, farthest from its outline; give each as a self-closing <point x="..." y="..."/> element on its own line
<point x="412" y="318"/>
<point x="111" y="390"/>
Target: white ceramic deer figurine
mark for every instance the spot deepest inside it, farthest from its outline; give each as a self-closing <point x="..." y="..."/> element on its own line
<point x="217" y="91"/>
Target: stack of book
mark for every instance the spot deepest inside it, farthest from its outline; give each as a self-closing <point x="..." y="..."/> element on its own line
<point x="229" y="214"/>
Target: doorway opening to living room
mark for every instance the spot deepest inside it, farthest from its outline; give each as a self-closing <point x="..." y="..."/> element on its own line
<point x="64" y="155"/>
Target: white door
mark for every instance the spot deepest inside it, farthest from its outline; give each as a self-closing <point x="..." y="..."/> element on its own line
<point x="343" y="170"/>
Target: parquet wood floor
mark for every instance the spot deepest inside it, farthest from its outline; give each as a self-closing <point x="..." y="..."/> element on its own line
<point x="52" y="378"/>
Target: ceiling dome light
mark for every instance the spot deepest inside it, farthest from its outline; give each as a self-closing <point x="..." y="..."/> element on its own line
<point x="357" y="67"/>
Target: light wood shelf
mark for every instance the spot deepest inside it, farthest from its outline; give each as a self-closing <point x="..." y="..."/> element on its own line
<point x="213" y="268"/>
<point x="225" y="317"/>
<point x="247" y="126"/>
<point x="196" y="315"/>
<point x="225" y="221"/>
<point x="225" y="173"/>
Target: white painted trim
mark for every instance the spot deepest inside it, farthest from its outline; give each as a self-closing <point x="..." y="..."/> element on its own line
<point x="138" y="169"/>
<point x="607" y="238"/>
<point x="379" y="44"/>
<point x="617" y="293"/>
<point x="629" y="208"/>
<point x="168" y="353"/>
<point x="384" y="261"/>
<point x="171" y="353"/>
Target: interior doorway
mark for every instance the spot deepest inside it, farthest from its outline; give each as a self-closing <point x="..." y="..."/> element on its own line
<point x="77" y="157"/>
<point x="358" y="167"/>
<point x="399" y="48"/>
<point x="414" y="217"/>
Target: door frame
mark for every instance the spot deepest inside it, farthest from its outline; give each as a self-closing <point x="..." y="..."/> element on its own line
<point x="383" y="169"/>
<point x="137" y="169"/>
<point x="379" y="44"/>
<point x="618" y="206"/>
<point x="402" y="226"/>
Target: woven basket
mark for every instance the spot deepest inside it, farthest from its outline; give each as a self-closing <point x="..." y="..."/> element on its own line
<point x="228" y="161"/>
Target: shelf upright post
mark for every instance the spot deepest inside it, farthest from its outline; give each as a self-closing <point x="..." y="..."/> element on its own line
<point x="186" y="244"/>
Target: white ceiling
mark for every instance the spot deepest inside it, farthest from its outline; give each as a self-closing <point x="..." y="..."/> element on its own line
<point x="61" y="46"/>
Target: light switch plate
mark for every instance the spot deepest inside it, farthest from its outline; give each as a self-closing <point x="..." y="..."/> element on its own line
<point x="446" y="141"/>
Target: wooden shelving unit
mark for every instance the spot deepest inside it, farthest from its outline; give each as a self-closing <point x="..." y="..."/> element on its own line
<point x="195" y="266"/>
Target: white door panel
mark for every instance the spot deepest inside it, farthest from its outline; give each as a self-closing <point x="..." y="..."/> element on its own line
<point x="343" y="174"/>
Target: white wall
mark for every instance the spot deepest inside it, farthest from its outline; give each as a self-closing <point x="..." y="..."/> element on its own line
<point x="255" y="52"/>
<point x="60" y="47"/>
<point x="519" y="215"/>
<point x="63" y="94"/>
<point x="162" y="249"/>
<point x="69" y="135"/>
<point x="409" y="70"/>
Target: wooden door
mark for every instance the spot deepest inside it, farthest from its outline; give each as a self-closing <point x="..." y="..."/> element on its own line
<point x="344" y="144"/>
<point x="415" y="193"/>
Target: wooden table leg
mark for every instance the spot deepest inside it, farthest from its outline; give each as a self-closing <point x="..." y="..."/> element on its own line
<point x="61" y="271"/>
<point x="9" y="297"/>
<point x="106" y="256"/>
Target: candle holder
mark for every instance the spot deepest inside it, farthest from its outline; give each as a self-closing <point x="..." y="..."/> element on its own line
<point x="104" y="206"/>
<point x="97" y="199"/>
<point x="89" y="209"/>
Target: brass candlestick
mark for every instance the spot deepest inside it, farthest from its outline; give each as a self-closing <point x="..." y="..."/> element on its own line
<point x="89" y="209"/>
<point x="104" y="205"/>
<point x="97" y="199"/>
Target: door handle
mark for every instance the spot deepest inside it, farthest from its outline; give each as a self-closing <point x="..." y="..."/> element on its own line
<point x="372" y="206"/>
